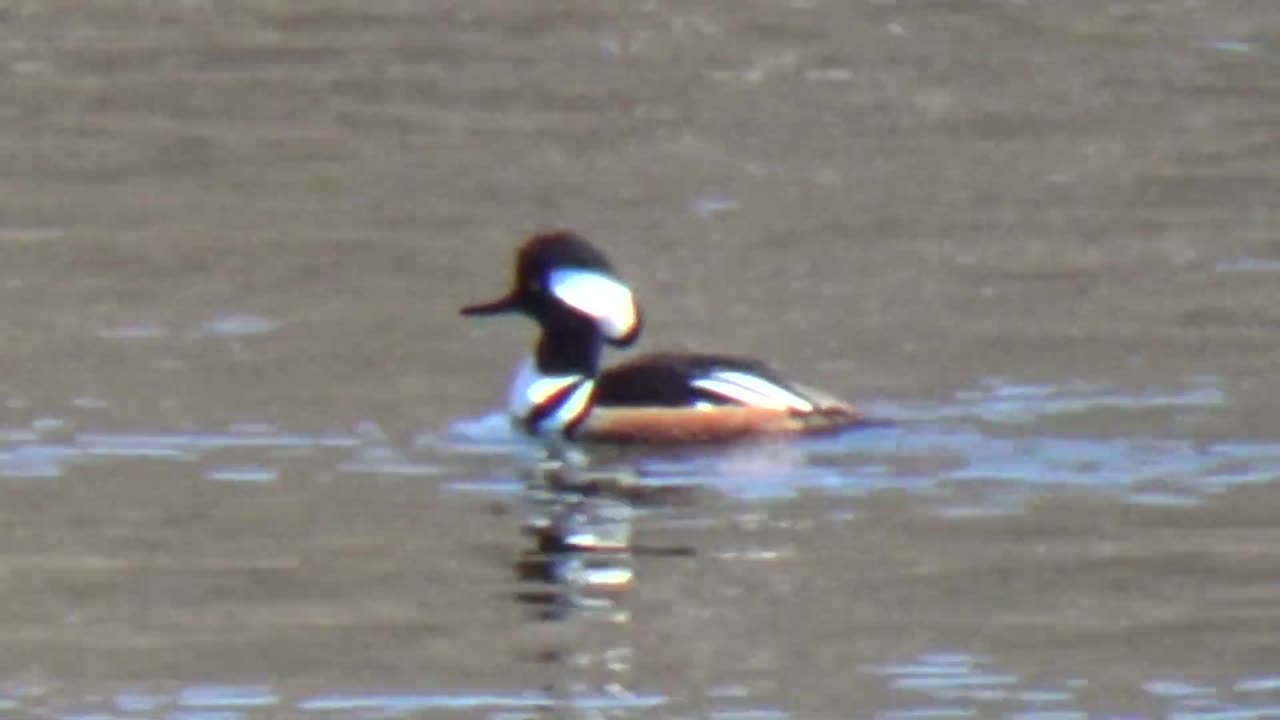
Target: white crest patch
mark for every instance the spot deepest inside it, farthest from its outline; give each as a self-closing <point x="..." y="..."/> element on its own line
<point x="531" y="391"/>
<point x="751" y="390"/>
<point x="607" y="301"/>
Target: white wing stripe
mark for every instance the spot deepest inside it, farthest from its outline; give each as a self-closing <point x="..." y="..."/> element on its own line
<point x="603" y="298"/>
<point x="752" y="390"/>
<point x="765" y="387"/>
<point x="737" y="393"/>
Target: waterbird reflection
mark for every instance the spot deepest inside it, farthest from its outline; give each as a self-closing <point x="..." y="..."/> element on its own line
<point x="581" y="521"/>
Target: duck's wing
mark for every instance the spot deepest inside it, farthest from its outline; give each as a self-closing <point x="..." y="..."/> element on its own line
<point x="705" y="380"/>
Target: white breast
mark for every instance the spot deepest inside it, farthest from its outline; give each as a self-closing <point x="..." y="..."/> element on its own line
<point x="533" y="392"/>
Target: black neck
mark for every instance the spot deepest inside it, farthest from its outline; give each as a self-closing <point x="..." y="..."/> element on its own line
<point x="569" y="350"/>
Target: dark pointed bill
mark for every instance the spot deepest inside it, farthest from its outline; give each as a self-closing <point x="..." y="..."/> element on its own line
<point x="507" y="303"/>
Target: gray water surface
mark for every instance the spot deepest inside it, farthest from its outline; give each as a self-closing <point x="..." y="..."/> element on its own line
<point x="253" y="464"/>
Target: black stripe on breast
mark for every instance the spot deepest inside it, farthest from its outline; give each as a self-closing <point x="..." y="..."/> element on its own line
<point x="552" y="404"/>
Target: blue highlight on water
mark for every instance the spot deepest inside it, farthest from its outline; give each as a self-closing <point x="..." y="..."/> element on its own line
<point x="987" y="440"/>
<point x="985" y="437"/>
<point x="983" y="442"/>
<point x="933" y="685"/>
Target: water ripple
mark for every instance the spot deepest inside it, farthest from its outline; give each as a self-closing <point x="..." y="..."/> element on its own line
<point x="984" y="437"/>
<point x="951" y="685"/>
<point x="985" y="449"/>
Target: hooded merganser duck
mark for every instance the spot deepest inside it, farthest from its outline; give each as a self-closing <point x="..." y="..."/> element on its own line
<point x="569" y="287"/>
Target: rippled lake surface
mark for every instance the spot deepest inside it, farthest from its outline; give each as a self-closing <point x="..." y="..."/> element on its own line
<point x="253" y="464"/>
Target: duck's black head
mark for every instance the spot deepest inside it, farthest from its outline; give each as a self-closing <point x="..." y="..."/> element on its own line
<point x="567" y="285"/>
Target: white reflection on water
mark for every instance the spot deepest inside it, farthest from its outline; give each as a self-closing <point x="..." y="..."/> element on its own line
<point x="234" y="325"/>
<point x="1002" y="400"/>
<point x="987" y="449"/>
<point x="239" y="325"/>
<point x="964" y="685"/>
<point x="934" y="685"/>
<point x="48" y="451"/>
<point x="134" y="331"/>
<point x="1249" y="264"/>
<point x="242" y="473"/>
